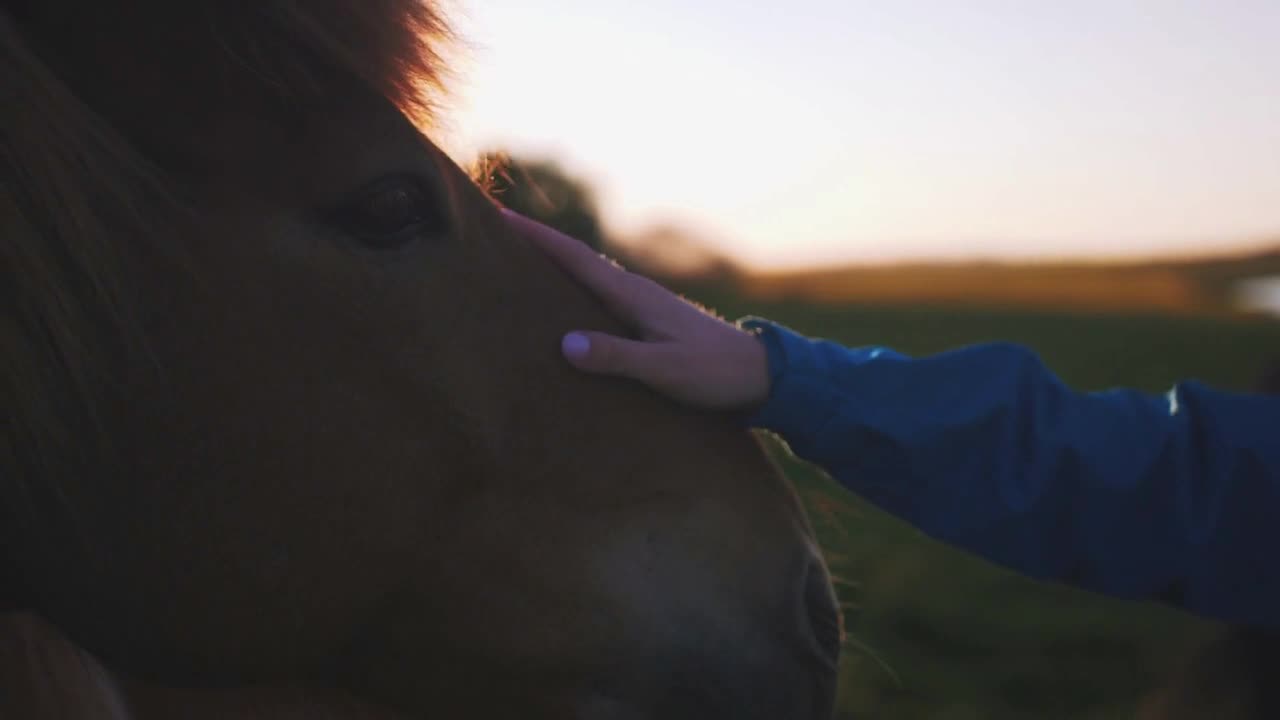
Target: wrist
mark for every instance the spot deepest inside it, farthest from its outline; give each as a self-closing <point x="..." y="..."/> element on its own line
<point x="755" y="364"/>
<point x="764" y="364"/>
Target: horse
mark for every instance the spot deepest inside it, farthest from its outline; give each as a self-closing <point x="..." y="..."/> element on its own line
<point x="286" y="423"/>
<point x="46" y="676"/>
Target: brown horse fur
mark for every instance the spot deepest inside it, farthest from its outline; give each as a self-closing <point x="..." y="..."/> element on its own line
<point x="73" y="186"/>
<point x="46" y="677"/>
<point x="285" y="408"/>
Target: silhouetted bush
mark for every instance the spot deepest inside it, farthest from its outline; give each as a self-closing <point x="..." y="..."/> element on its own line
<point x="542" y="190"/>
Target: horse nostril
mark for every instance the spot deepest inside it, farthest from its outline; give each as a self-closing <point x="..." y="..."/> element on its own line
<point x="823" y="612"/>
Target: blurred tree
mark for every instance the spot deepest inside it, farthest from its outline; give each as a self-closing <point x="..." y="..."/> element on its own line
<point x="542" y="190"/>
<point x="673" y="251"/>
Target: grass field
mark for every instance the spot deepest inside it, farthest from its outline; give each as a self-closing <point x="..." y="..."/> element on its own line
<point x="1189" y="286"/>
<point x="935" y="633"/>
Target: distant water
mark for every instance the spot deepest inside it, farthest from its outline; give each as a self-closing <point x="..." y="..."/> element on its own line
<point x="1260" y="294"/>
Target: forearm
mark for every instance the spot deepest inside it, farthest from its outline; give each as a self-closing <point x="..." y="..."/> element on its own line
<point x="1133" y="495"/>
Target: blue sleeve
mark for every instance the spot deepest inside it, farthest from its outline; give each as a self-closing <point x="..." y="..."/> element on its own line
<point x="1173" y="497"/>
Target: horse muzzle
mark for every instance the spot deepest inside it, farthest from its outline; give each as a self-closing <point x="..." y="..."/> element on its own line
<point x="781" y="667"/>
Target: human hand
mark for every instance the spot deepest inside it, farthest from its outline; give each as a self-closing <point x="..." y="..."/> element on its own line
<point x="683" y="351"/>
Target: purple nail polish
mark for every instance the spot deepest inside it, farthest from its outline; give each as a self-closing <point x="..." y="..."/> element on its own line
<point x="575" y="345"/>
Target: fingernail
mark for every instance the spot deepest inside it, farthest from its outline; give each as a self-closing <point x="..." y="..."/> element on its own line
<point x="575" y="345"/>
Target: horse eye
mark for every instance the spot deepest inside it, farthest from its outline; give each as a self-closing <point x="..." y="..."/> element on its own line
<point x="391" y="212"/>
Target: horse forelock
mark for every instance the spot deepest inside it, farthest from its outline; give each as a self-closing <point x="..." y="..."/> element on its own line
<point x="102" y="101"/>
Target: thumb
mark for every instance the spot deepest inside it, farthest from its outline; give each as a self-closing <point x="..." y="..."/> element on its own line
<point x="607" y="355"/>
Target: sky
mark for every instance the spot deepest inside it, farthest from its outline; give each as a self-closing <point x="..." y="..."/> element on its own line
<point x="814" y="131"/>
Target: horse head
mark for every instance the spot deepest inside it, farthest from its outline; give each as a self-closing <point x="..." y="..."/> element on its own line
<point x="288" y="409"/>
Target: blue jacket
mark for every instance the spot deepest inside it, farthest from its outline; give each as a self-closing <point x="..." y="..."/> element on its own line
<point x="1172" y="497"/>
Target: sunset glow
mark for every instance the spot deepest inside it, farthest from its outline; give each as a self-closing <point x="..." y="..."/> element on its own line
<point x="836" y="130"/>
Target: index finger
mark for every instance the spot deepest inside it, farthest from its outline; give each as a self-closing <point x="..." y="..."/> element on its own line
<point x="625" y="293"/>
